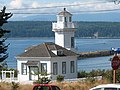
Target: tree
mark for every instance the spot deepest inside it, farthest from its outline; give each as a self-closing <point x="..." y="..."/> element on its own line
<point x="3" y="47"/>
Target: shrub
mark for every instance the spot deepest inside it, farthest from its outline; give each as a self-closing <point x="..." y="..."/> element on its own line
<point x="14" y="86"/>
<point x="43" y="80"/>
<point x="82" y="74"/>
<point x="60" y="78"/>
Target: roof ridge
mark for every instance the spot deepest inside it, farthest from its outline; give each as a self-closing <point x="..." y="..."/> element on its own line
<point x="55" y="46"/>
<point x="45" y="44"/>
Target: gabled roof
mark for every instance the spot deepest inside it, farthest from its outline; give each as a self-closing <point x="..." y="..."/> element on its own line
<point x="45" y="50"/>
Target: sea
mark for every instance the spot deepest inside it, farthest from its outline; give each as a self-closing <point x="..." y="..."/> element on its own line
<point x="18" y="46"/>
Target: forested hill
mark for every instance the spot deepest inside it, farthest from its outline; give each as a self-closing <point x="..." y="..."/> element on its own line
<point x="44" y="29"/>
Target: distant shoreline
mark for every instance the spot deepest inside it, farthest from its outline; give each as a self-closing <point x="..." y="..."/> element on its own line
<point x="75" y="37"/>
<point x="29" y="37"/>
<point x="99" y="37"/>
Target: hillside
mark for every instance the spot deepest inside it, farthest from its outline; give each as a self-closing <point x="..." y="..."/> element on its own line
<point x="44" y="29"/>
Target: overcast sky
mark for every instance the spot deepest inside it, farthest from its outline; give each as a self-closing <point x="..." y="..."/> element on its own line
<point x="77" y="6"/>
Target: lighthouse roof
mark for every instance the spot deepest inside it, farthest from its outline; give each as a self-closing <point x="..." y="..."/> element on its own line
<point x="64" y="12"/>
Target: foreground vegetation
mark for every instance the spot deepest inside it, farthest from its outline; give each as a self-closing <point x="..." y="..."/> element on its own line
<point x="80" y="85"/>
<point x="10" y="86"/>
<point x="88" y="82"/>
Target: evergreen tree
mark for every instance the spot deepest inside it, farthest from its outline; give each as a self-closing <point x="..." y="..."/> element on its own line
<point x="3" y="48"/>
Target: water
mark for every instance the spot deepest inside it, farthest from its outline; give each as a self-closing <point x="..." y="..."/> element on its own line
<point x="94" y="64"/>
<point x="18" y="45"/>
<point x="96" y="44"/>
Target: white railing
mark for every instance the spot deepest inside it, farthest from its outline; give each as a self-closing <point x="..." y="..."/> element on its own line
<point x="63" y="25"/>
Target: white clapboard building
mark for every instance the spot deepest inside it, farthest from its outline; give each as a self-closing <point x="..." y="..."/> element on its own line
<point x="53" y="58"/>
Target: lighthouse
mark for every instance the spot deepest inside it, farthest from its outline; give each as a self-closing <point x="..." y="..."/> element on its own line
<point x="64" y="30"/>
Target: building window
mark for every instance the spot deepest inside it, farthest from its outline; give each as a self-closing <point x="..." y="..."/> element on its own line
<point x="72" y="66"/>
<point x="63" y="67"/>
<point x="55" y="68"/>
<point x="24" y="69"/>
<point x="72" y="42"/>
<point x="70" y="19"/>
<point x="43" y="67"/>
<point x="60" y="52"/>
<point x="65" y="19"/>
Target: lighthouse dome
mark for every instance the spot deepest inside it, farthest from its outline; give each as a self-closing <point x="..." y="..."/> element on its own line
<point x="64" y="13"/>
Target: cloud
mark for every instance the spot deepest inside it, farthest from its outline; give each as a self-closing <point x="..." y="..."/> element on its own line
<point x="16" y="3"/>
<point x="35" y="5"/>
<point x="74" y="7"/>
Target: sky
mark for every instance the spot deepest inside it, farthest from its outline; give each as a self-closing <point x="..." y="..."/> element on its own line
<point x="82" y="10"/>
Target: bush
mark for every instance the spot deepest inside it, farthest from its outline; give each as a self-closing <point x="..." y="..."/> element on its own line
<point x="60" y="78"/>
<point x="14" y="86"/>
<point x="43" y="80"/>
<point x="82" y="74"/>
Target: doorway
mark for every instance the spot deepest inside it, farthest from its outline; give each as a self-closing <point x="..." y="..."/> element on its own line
<point x="33" y="73"/>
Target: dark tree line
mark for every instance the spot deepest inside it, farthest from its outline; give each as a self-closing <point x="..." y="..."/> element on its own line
<point x="44" y="29"/>
<point x="104" y="29"/>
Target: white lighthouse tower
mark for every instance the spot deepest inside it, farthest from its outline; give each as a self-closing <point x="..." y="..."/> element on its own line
<point x="64" y="30"/>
